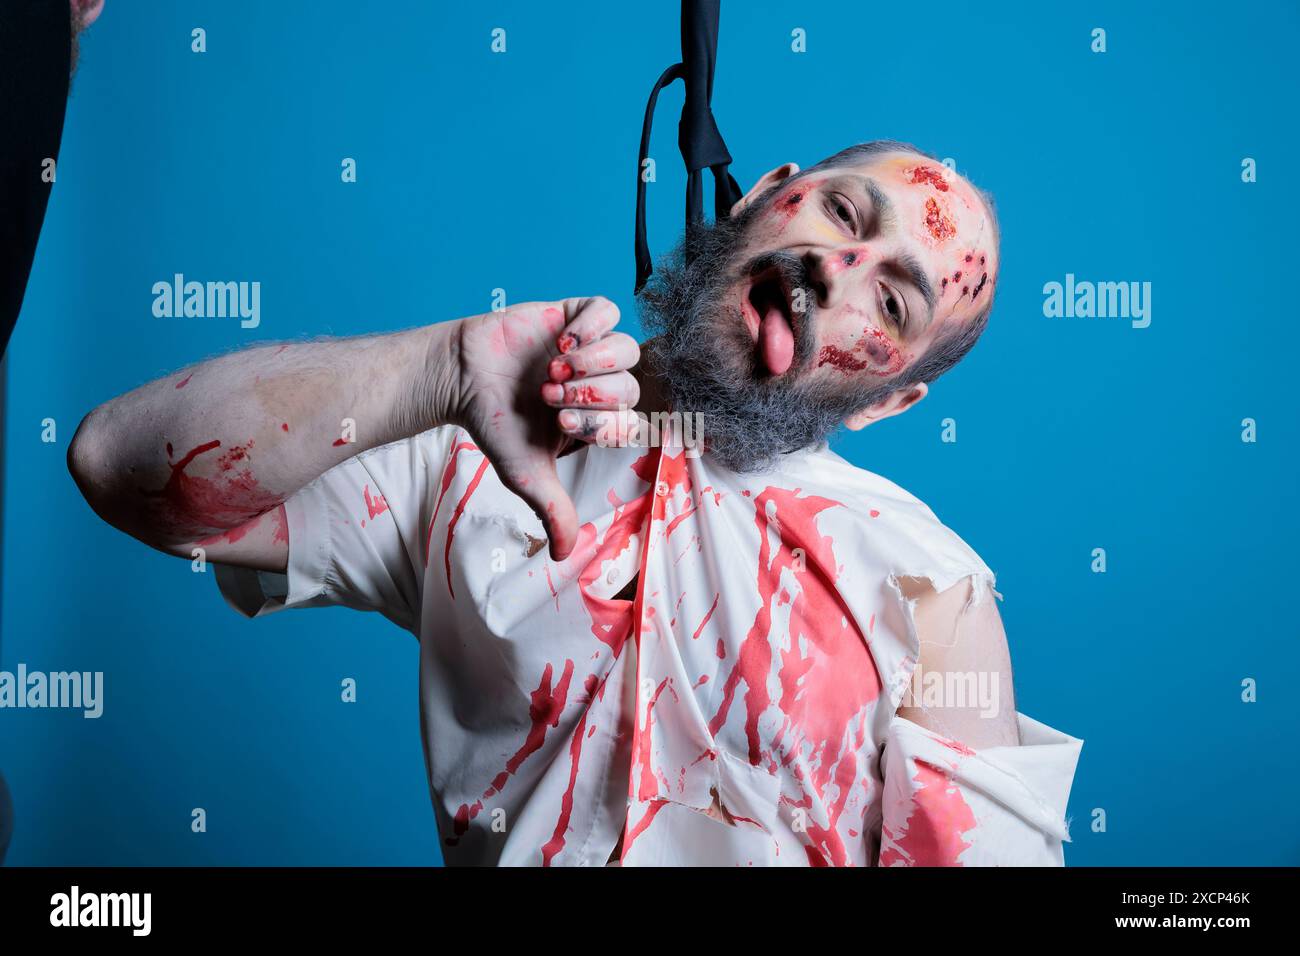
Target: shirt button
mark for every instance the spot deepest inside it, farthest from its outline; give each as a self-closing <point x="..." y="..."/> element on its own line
<point x="661" y="489"/>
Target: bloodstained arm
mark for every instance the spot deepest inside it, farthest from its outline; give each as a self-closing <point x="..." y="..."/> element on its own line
<point x="205" y="457"/>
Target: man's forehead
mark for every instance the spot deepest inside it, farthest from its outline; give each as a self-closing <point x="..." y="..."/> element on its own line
<point x="950" y="211"/>
<point x="904" y="173"/>
<point x="900" y="168"/>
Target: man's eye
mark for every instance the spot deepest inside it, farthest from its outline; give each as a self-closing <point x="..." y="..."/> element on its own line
<point x="892" y="306"/>
<point x="842" y="209"/>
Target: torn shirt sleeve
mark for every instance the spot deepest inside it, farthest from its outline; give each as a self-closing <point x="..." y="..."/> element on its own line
<point x="354" y="537"/>
<point x="945" y="804"/>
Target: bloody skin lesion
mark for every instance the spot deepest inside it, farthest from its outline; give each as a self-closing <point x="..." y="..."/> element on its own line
<point x="937" y="223"/>
<point x="788" y="203"/>
<point x="192" y="506"/>
<point x="236" y="454"/>
<point x="928" y="175"/>
<point x="966" y="289"/>
<point x="585" y="395"/>
<point x="844" y="260"/>
<point x="874" y="354"/>
<point x="840" y="359"/>
<point x="941" y="227"/>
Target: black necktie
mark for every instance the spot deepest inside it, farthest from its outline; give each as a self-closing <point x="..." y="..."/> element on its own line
<point x="697" y="134"/>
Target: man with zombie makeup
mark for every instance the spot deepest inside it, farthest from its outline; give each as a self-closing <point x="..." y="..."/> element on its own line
<point x="722" y="658"/>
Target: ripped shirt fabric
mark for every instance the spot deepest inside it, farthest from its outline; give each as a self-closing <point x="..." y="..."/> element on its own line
<point x="710" y="678"/>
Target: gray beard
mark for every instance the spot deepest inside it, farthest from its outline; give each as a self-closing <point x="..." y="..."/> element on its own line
<point x="705" y="361"/>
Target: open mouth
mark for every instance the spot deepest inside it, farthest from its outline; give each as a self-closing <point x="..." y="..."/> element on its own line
<point x="765" y="307"/>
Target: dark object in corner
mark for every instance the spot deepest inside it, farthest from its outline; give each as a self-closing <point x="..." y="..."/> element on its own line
<point x="35" y="57"/>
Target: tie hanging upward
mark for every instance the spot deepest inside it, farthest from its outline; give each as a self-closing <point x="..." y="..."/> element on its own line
<point x="697" y="134"/>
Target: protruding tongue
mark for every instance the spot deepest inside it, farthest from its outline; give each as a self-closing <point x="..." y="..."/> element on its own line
<point x="777" y="341"/>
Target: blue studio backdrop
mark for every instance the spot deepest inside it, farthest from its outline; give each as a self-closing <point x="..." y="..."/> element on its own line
<point x="479" y="170"/>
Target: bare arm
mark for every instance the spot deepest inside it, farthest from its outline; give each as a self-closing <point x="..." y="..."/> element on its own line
<point x="965" y="688"/>
<point x="206" y="456"/>
<point x="960" y="785"/>
<point x="192" y="457"/>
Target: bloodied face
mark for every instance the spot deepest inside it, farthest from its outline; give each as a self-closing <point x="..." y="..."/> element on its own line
<point x="811" y="304"/>
<point x="891" y="255"/>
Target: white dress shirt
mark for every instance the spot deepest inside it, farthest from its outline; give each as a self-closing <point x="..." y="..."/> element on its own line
<point x="741" y="710"/>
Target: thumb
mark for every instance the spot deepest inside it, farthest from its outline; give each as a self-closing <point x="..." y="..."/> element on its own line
<point x="542" y="491"/>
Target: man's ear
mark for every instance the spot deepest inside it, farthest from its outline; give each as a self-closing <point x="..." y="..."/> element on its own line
<point x="765" y="182"/>
<point x="897" y="403"/>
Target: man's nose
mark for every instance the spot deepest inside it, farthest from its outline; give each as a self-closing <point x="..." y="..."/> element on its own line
<point x="835" y="273"/>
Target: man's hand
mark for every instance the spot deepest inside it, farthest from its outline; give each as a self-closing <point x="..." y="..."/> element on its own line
<point x="533" y="379"/>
